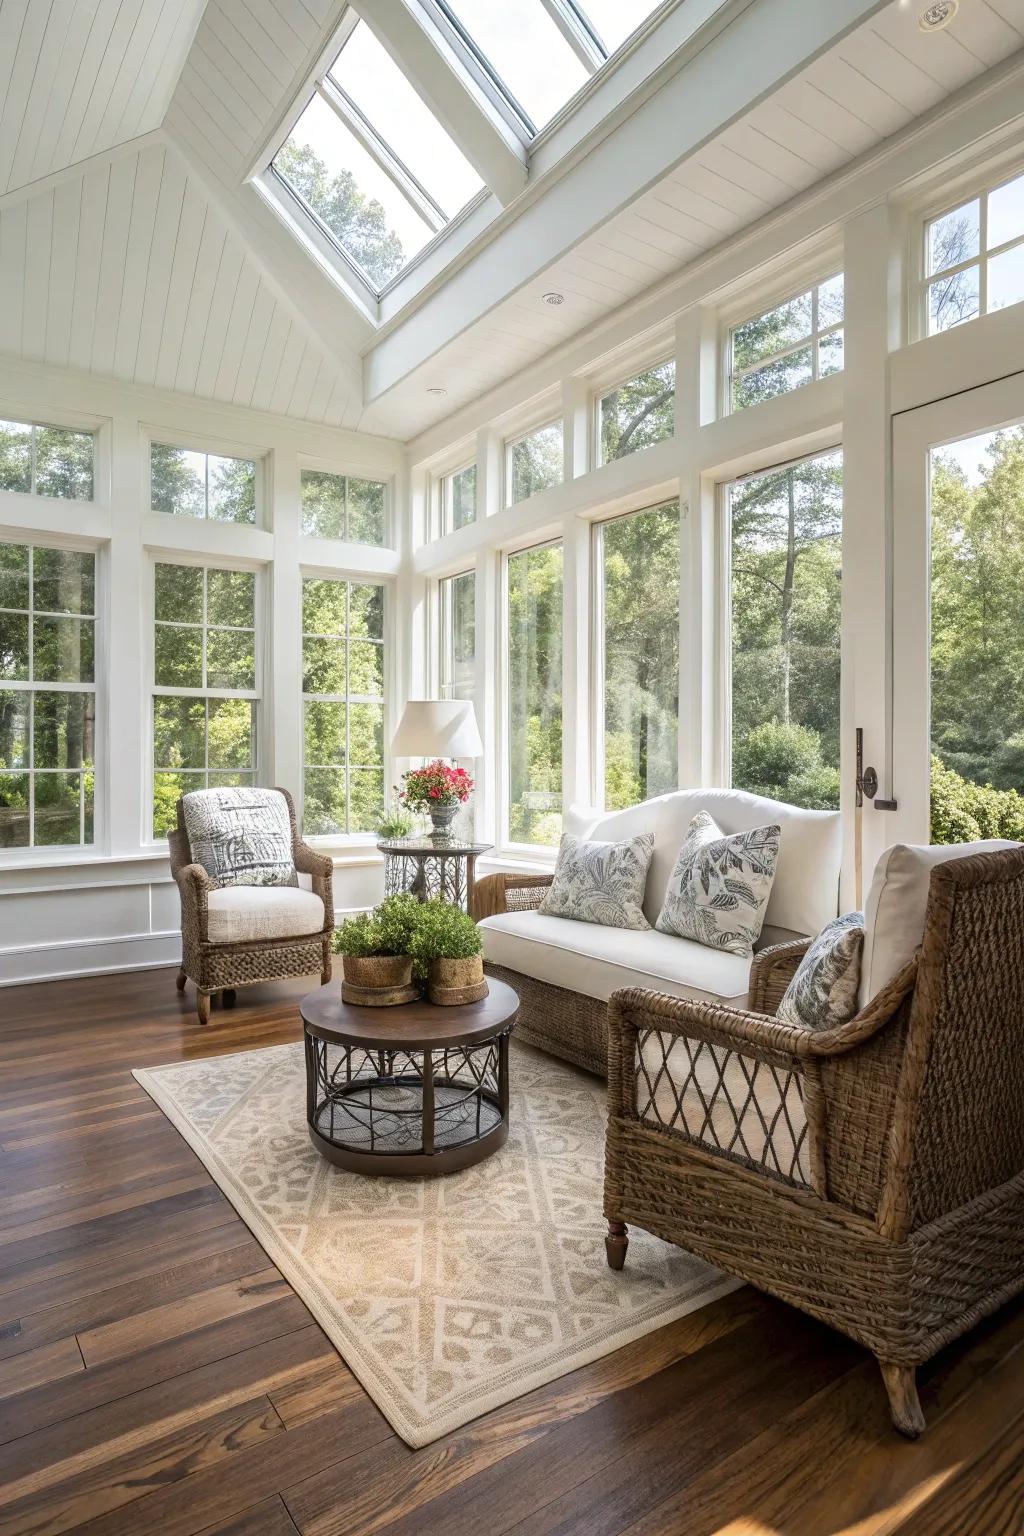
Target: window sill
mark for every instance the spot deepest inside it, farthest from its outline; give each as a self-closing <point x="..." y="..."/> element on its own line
<point x="525" y="861"/>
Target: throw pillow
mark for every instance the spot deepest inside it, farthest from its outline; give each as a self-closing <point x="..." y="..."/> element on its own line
<point x="241" y="836"/>
<point x="823" y="993"/>
<point x="600" y="882"/>
<point x="719" y="889"/>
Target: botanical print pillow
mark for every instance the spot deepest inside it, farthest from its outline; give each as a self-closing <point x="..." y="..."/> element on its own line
<point x="719" y="889"/>
<point x="600" y="882"/>
<point x="241" y="836"/>
<point x="823" y="993"/>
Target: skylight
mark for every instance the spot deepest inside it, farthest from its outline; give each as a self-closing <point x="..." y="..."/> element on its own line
<point x="371" y="163"/>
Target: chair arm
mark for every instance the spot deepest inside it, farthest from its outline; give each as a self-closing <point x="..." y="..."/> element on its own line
<point x="494" y="894"/>
<point x="308" y="862"/>
<point x="771" y="972"/>
<point x="194" y="887"/>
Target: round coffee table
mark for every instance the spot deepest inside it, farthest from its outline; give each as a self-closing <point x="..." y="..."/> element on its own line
<point x="415" y="1089"/>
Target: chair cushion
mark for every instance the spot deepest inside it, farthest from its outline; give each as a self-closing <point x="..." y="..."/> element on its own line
<point x="597" y="961"/>
<point x="600" y="882"/>
<point x="805" y="893"/>
<point x="241" y="836"/>
<point x="895" y="909"/>
<point x="720" y="886"/>
<point x="823" y="993"/>
<point x="239" y="913"/>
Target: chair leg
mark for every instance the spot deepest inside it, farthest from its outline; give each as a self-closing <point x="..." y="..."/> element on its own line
<point x="203" y="1007"/>
<point x="616" y="1243"/>
<point x="180" y="980"/>
<point x="904" y="1403"/>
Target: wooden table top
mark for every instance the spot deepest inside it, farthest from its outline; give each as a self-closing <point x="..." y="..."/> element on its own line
<point x="408" y="1026"/>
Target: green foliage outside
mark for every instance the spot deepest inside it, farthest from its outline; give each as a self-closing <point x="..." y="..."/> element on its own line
<point x="535" y="462"/>
<point x="535" y="695"/>
<point x="191" y="484"/>
<point x="759" y="345"/>
<point x="963" y="812"/>
<point x="343" y="507"/>
<point x="359" y="223"/>
<point x="63" y="461"/>
<point x="638" y="413"/>
<point x="343" y="726"/>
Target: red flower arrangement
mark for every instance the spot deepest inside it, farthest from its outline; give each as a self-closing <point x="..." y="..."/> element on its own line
<point x="435" y="785"/>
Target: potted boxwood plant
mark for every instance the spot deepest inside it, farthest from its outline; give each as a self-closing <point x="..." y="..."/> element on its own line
<point x="377" y="959"/>
<point x="447" y="953"/>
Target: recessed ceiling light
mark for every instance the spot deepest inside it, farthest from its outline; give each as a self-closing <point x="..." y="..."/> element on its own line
<point x="554" y="298"/>
<point x="436" y="389"/>
<point x="934" y="17"/>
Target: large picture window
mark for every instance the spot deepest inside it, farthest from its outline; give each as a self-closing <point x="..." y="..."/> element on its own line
<point x="534" y="462"/>
<point x="638" y="413"/>
<point x="534" y="697"/>
<point x="975" y="257"/>
<point x="457" y="660"/>
<point x="205" y="684"/>
<point x="786" y="544"/>
<point x="47" y="696"/>
<point x="343" y="705"/>
<point x="191" y="484"/>
<point x="788" y="346"/>
<point x="46" y="461"/>
<point x="637" y="560"/>
<point x="343" y="507"/>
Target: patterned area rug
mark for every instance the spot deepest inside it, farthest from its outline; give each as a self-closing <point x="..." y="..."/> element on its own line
<point x="447" y="1297"/>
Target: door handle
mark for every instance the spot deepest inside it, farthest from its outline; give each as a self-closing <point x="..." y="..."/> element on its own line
<point x="867" y="780"/>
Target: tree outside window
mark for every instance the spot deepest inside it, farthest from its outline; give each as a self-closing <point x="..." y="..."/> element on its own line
<point x="534" y="746"/>
<point x="638" y="413"/>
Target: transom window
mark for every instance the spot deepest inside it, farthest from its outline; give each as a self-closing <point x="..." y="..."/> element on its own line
<point x="370" y="162"/>
<point x="343" y="705"/>
<point x="457" y="660"/>
<point x="788" y="346"/>
<point x="191" y="484"/>
<point x="534" y="462"/>
<point x="205" y="689"/>
<point x="637" y="413"/>
<point x="46" y="461"/>
<point x="47" y="696"/>
<point x="343" y="507"/>
<point x="456" y="496"/>
<point x="974" y="257"/>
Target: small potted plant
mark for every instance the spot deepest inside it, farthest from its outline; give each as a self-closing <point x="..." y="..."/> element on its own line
<point x="438" y="789"/>
<point x="376" y="951"/>
<point x="394" y="823"/>
<point x="447" y="953"/>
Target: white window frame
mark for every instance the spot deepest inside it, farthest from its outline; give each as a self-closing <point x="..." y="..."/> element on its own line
<point x="974" y="191"/>
<point x="56" y="426"/>
<point x="507" y="445"/>
<point x="217" y="448"/>
<point x="442" y="499"/>
<point x="732" y="322"/>
<point x="539" y="851"/>
<point x="444" y="648"/>
<point x="602" y="388"/>
<point x="331" y="467"/>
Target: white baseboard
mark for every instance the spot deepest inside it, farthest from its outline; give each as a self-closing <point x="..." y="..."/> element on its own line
<point x="62" y="959"/>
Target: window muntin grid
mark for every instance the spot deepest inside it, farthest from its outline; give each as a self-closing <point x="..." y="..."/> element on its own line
<point x="343" y="664"/>
<point x="186" y="482"/>
<point x="205" y="683"/>
<point x="782" y="348"/>
<point x="47" y="696"/>
<point x="974" y="257"/>
<point x="343" y="507"/>
<point x="41" y="460"/>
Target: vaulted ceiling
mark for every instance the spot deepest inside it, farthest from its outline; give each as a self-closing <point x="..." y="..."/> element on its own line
<point x="132" y="244"/>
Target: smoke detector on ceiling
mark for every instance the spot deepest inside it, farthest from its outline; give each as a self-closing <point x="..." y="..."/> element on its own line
<point x="436" y="389"/>
<point x="934" y="17"/>
<point x="553" y="297"/>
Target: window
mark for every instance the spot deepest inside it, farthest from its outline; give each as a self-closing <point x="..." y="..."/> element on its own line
<point x="975" y="257"/>
<point x="787" y="346"/>
<point x="205" y="684"/>
<point x="191" y="484"/>
<point x="534" y="462"/>
<point x="457" y="603"/>
<point x="637" y="413"/>
<point x="47" y="696"/>
<point x="371" y="163"/>
<point x="786" y="542"/>
<point x="343" y="507"/>
<point x="46" y="461"/>
<point x="637" y="559"/>
<point x="343" y="708"/>
<point x="536" y="54"/>
<point x="457" y="499"/>
<point x="534" y="697"/>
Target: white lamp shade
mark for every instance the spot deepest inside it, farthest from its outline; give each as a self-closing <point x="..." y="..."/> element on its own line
<point x="437" y="728"/>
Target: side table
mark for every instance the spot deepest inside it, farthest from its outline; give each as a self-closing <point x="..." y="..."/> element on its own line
<point x="427" y="869"/>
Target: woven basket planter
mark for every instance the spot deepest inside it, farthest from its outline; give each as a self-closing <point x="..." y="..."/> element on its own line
<point x="450" y="982"/>
<point x="378" y="981"/>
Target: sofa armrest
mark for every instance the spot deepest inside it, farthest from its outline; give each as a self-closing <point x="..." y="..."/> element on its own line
<point x="499" y="893"/>
<point x="771" y="972"/>
<point x="321" y="868"/>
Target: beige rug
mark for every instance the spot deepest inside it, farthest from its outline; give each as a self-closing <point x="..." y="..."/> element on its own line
<point x="447" y="1297"/>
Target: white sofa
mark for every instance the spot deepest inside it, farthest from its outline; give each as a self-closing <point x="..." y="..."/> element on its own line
<point x="565" y="971"/>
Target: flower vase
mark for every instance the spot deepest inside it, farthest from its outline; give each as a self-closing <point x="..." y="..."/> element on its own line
<point x="441" y="818"/>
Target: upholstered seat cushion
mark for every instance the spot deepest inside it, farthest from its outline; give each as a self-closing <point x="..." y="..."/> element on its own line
<point x="240" y="913"/>
<point x="597" y="961"/>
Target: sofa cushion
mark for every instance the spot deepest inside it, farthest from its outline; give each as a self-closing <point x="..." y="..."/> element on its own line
<point x="720" y="886"/>
<point x="600" y="882"/>
<point x="895" y="909"/>
<point x="240" y="836"/>
<point x="823" y="993"/>
<point x="239" y="913"/>
<point x="597" y="961"/>
<point x="805" y="895"/>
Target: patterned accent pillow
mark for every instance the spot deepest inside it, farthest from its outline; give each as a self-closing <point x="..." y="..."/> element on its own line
<point x="241" y="836"/>
<point x="823" y="993"/>
<point x="719" y="889"/>
<point x="600" y="882"/>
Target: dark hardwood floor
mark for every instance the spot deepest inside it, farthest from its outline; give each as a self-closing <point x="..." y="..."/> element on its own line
<point x="159" y="1378"/>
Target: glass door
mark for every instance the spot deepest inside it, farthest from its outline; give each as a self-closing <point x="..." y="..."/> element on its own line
<point x="958" y="617"/>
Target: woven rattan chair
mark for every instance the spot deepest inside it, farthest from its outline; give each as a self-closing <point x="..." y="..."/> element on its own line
<point x="221" y="967"/>
<point x="872" y="1174"/>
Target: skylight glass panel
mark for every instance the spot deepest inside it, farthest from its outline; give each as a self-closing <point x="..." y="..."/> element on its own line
<point x="615" y="20"/>
<point x="524" y="50"/>
<point x="379" y="90"/>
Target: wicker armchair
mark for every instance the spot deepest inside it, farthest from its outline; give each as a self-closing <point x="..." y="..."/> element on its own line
<point x="221" y="967"/>
<point x="873" y="1174"/>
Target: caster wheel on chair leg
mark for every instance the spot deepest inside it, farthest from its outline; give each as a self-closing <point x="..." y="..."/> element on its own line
<point x="227" y="997"/>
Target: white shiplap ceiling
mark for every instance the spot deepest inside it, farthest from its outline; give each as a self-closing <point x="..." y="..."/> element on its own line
<point x="78" y="77"/>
